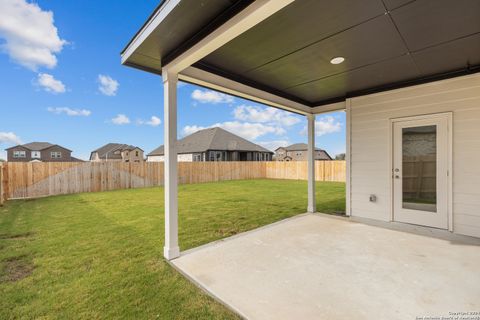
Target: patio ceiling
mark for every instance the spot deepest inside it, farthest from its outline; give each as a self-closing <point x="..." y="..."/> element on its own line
<point x="385" y="43"/>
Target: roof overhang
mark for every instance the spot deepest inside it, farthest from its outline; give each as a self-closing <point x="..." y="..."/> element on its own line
<point x="278" y="52"/>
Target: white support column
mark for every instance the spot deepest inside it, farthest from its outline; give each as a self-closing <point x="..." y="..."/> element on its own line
<point x="312" y="205"/>
<point x="171" y="249"/>
<point x="348" y="157"/>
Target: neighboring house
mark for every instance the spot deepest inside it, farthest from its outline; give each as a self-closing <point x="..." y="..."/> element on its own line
<point x="117" y="152"/>
<point x="215" y="144"/>
<point x="298" y="152"/>
<point x="40" y="152"/>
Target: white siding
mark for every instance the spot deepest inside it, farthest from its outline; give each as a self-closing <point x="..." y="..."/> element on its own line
<point x="181" y="158"/>
<point x="188" y="157"/>
<point x="155" y="158"/>
<point x="370" y="153"/>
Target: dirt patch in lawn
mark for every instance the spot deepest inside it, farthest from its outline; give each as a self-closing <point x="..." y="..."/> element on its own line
<point x="16" y="268"/>
<point x="16" y="236"/>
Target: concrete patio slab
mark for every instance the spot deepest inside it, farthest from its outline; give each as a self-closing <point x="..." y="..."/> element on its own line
<point x="320" y="267"/>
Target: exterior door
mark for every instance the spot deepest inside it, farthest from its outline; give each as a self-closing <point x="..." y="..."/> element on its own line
<point x="420" y="171"/>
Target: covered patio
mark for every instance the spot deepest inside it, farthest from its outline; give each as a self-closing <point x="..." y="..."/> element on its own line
<point x="317" y="266"/>
<point x="406" y="74"/>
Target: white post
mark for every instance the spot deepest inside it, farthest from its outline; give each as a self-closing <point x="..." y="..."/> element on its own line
<point x="348" y="157"/>
<point x="171" y="250"/>
<point x="312" y="205"/>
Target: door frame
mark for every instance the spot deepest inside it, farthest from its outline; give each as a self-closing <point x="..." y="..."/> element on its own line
<point x="449" y="116"/>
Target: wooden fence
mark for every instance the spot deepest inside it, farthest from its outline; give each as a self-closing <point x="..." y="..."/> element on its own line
<point x="420" y="177"/>
<point x="31" y="180"/>
<point x="3" y="183"/>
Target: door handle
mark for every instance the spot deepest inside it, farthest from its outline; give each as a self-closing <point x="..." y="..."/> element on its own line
<point x="397" y="176"/>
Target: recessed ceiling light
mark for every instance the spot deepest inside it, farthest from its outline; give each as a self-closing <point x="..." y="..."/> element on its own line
<point x="337" y="60"/>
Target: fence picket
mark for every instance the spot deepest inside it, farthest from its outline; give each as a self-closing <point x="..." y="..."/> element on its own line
<point x="31" y="180"/>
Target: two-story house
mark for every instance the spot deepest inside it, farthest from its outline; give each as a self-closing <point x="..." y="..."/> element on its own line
<point x="39" y="152"/>
<point x="298" y="152"/>
<point x="117" y="152"/>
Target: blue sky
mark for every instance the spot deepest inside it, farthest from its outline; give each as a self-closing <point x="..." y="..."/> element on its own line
<point x="62" y="82"/>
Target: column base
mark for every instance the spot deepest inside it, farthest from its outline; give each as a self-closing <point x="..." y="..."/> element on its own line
<point x="171" y="253"/>
<point x="311" y="209"/>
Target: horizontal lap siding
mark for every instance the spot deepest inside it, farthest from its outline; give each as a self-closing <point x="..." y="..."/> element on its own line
<point x="370" y="154"/>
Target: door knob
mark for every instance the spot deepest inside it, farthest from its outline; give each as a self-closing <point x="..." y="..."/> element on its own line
<point x="397" y="176"/>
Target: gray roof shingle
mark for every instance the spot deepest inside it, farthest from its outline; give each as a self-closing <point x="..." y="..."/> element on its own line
<point x="212" y="139"/>
<point x="111" y="148"/>
<point x="37" y="146"/>
<point x="297" y="147"/>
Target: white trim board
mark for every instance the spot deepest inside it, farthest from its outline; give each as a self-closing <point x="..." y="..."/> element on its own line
<point x="249" y="17"/>
<point x="209" y="80"/>
<point x="152" y="24"/>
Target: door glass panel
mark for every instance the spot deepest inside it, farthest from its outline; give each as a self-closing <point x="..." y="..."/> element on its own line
<point x="419" y="168"/>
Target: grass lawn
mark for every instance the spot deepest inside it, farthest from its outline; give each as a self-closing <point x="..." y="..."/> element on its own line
<point x="99" y="255"/>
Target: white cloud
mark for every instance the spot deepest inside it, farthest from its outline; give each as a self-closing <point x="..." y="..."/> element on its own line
<point x="209" y="96"/>
<point x="274" y="144"/>
<point x="70" y="112"/>
<point x="121" y="119"/>
<point x="265" y="115"/>
<point x="325" y="125"/>
<point x="50" y="84"/>
<point x="247" y="130"/>
<point x="31" y="38"/>
<point x="107" y="85"/>
<point x="188" y="130"/>
<point x="154" y="121"/>
<point x="9" y="138"/>
<point x="181" y="84"/>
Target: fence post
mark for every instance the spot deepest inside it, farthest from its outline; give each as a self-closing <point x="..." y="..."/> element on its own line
<point x="2" y="188"/>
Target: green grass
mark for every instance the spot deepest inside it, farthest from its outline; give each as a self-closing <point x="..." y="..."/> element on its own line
<point x="99" y="255"/>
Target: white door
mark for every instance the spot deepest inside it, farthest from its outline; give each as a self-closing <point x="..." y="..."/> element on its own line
<point x="420" y="170"/>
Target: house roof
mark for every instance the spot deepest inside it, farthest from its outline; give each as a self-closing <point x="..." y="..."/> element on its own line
<point x="297" y="147"/>
<point x="111" y="148"/>
<point x="386" y="44"/>
<point x="37" y="146"/>
<point x="212" y="139"/>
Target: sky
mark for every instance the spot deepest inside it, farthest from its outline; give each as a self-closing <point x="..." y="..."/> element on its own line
<point x="61" y="81"/>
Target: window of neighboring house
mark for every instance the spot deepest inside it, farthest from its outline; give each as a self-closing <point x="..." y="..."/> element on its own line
<point x="36" y="155"/>
<point x="197" y="157"/>
<point x="136" y="153"/>
<point x="55" y="154"/>
<point x="218" y="156"/>
<point x="299" y="153"/>
<point x="19" y="154"/>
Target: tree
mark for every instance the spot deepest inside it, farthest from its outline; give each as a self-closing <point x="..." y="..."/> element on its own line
<point x="340" y="156"/>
